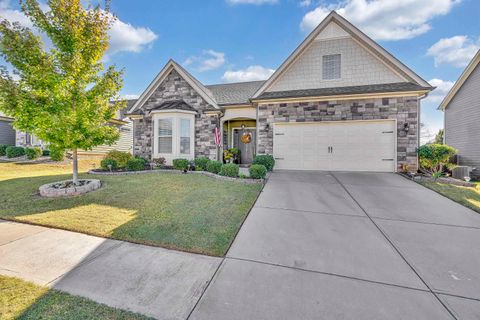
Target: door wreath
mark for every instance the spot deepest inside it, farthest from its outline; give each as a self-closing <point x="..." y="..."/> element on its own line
<point x="246" y="137"/>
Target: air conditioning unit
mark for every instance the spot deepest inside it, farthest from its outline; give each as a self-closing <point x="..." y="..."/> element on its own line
<point x="461" y="172"/>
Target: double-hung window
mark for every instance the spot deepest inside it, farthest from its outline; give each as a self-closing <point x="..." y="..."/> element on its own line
<point x="173" y="135"/>
<point x="185" y="136"/>
<point x="165" y="135"/>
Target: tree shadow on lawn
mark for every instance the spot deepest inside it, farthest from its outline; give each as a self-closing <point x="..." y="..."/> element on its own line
<point x="466" y="196"/>
<point x="181" y="211"/>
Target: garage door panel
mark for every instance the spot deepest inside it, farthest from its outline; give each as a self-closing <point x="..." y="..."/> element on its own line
<point x="355" y="146"/>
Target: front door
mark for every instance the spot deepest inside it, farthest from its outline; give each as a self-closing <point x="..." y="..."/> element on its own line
<point x="245" y="145"/>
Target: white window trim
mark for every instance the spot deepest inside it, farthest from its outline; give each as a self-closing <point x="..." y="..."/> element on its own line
<point x="176" y="116"/>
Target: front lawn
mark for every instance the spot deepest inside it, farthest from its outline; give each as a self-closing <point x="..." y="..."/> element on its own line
<point x="188" y="212"/>
<point x="469" y="197"/>
<point x="24" y="300"/>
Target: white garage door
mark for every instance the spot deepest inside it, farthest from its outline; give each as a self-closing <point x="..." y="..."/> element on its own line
<point x="335" y="146"/>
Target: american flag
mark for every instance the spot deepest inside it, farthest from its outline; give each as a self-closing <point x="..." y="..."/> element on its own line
<point x="217" y="137"/>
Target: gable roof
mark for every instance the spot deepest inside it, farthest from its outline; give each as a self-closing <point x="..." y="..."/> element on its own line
<point x="458" y="85"/>
<point x="359" y="36"/>
<point x="194" y="83"/>
<point x="234" y="93"/>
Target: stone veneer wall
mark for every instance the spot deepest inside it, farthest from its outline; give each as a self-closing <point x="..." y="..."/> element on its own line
<point x="403" y="109"/>
<point x="174" y="87"/>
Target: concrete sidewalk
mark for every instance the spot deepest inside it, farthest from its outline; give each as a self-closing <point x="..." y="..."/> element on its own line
<point x="157" y="282"/>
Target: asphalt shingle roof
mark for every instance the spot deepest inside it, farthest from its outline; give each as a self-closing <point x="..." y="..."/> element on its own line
<point x="173" y="104"/>
<point x="374" y="88"/>
<point x="234" y="93"/>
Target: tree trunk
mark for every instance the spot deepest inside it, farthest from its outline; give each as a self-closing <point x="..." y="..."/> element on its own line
<point x="75" y="167"/>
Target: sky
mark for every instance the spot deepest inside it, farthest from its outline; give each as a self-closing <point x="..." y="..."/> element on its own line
<point x="221" y="41"/>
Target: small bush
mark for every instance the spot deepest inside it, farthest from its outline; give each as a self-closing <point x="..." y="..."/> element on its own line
<point x="105" y="163"/>
<point x="265" y="159"/>
<point x="180" y="164"/>
<point x="45" y="153"/>
<point x="13" y="152"/>
<point x="145" y="160"/>
<point x="257" y="171"/>
<point x="433" y="157"/>
<point x="214" y="166"/>
<point x="3" y="149"/>
<point x="33" y="153"/>
<point x="201" y="163"/>
<point x="119" y="156"/>
<point x="57" y="154"/>
<point x="159" y="162"/>
<point x="230" y="170"/>
<point x="136" y="164"/>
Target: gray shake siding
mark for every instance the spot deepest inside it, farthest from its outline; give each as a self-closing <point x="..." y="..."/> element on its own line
<point x="404" y="110"/>
<point x="174" y="87"/>
<point x="462" y="122"/>
<point x="7" y="133"/>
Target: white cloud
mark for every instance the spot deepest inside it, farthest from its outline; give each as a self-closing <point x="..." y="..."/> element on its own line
<point x="384" y="19"/>
<point x="305" y="3"/>
<point x="216" y="60"/>
<point x="257" y="2"/>
<point x="442" y="89"/>
<point x="123" y="36"/>
<point x="130" y="96"/>
<point x="456" y="51"/>
<point x="251" y="73"/>
<point x="209" y="60"/>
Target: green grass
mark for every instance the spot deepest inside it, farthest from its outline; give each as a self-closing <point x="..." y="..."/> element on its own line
<point x="188" y="212"/>
<point x="24" y="300"/>
<point x="469" y="197"/>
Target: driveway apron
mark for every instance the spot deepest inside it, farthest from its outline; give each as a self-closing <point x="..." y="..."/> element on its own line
<point x="344" y="245"/>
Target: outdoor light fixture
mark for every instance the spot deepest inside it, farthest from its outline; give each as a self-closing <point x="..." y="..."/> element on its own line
<point x="406" y="127"/>
<point x="243" y="126"/>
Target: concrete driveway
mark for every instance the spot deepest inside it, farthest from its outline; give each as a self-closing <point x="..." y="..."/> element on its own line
<point x="322" y="245"/>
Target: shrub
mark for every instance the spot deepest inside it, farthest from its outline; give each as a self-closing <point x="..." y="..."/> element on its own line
<point x="433" y="157"/>
<point x="119" y="156"/>
<point x="33" y="153"/>
<point x="180" y="164"/>
<point x="57" y="154"/>
<point x="45" y="153"/>
<point x="257" y="171"/>
<point x="201" y="163"/>
<point x="159" y="161"/>
<point x="3" y="149"/>
<point x="145" y="160"/>
<point x="265" y="159"/>
<point x="230" y="170"/>
<point x="13" y="152"/>
<point x="105" y="163"/>
<point x="214" y="166"/>
<point x="136" y="164"/>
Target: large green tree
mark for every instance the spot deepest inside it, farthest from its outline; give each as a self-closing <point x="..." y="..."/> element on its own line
<point x="60" y="91"/>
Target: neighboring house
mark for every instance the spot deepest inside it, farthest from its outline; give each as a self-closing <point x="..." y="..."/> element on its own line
<point x="7" y="133"/>
<point x="339" y="102"/>
<point x="461" y="109"/>
<point x="124" y="143"/>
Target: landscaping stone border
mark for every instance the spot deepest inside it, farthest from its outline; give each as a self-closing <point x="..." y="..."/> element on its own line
<point x="48" y="191"/>
<point x="444" y="180"/>
<point x="206" y="173"/>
